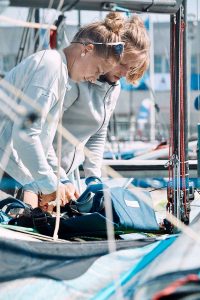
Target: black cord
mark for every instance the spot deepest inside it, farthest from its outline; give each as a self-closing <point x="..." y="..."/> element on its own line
<point x="70" y="6"/>
<point x="149" y="6"/>
<point x="161" y="188"/>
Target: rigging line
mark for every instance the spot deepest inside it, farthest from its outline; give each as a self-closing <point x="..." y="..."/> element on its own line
<point x="182" y="116"/>
<point x="158" y="113"/>
<point x="20" y="23"/>
<point x="176" y="124"/>
<point x="181" y="109"/>
<point x="173" y="91"/>
<point x="50" y="5"/>
<point x="28" y="41"/>
<point x="167" y="56"/>
<point x="25" y="78"/>
<point x="48" y="25"/>
<point x="171" y="134"/>
<point x="60" y="4"/>
<point x="24" y="38"/>
<point x="185" y="113"/>
<point x="179" y="188"/>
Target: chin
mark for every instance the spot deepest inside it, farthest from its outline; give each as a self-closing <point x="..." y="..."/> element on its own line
<point x="75" y="79"/>
<point x="114" y="79"/>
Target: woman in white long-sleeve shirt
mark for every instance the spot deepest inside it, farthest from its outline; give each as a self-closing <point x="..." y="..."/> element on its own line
<point x="92" y="104"/>
<point x="38" y="85"/>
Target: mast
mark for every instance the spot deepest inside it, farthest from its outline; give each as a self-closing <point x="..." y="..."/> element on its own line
<point x="178" y="191"/>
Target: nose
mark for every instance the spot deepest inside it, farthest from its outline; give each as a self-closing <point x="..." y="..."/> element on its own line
<point x="124" y="70"/>
<point x="123" y="73"/>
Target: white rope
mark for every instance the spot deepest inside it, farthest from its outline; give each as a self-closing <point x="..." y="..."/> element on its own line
<point x="19" y="23"/>
<point x="112" y="247"/>
<point x="6" y="108"/>
<point x="78" y="181"/>
<point x="59" y="151"/>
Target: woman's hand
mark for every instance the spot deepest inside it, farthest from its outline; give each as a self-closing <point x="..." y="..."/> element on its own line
<point x="66" y="192"/>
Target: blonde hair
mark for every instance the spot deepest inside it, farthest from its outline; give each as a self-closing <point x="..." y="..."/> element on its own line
<point x="106" y="31"/>
<point x="137" y="42"/>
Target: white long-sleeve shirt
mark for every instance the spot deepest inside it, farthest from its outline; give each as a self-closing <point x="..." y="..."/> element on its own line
<point x="26" y="154"/>
<point x="86" y="116"/>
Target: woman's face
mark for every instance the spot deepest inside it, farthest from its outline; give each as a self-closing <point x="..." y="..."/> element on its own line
<point x="90" y="66"/>
<point x="121" y="69"/>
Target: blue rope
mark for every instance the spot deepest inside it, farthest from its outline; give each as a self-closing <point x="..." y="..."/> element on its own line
<point x="143" y="262"/>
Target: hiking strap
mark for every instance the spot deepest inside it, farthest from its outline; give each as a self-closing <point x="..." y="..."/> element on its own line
<point x="12" y="203"/>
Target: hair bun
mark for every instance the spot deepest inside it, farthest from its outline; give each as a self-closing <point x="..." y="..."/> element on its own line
<point x="136" y="20"/>
<point x="114" y="21"/>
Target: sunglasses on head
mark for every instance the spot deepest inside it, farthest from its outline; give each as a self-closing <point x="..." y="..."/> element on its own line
<point x="118" y="47"/>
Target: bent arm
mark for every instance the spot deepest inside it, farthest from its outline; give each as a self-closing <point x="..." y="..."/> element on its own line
<point x="96" y="143"/>
<point x="27" y="142"/>
<point x="53" y="162"/>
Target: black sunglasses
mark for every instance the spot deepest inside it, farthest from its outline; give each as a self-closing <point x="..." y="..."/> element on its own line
<point x="118" y="46"/>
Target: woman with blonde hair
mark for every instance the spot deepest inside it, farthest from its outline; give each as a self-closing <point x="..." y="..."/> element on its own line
<point x="92" y="105"/>
<point x="40" y="85"/>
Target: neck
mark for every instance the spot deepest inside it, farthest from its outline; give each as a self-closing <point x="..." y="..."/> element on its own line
<point x="70" y="57"/>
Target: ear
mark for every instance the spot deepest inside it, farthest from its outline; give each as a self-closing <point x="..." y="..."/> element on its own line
<point x="89" y="48"/>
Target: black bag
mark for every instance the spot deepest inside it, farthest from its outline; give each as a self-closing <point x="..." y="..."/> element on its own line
<point x="132" y="212"/>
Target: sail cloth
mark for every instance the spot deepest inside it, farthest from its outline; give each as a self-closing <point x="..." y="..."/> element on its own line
<point x="61" y="261"/>
<point x="72" y="270"/>
<point x="172" y="270"/>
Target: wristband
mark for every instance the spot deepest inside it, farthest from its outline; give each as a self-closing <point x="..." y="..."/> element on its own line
<point x="92" y="179"/>
<point x="64" y="181"/>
